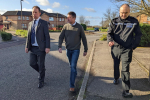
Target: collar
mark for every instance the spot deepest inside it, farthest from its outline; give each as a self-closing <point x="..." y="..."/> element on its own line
<point x="37" y="19"/>
<point x="124" y="20"/>
<point x="73" y="24"/>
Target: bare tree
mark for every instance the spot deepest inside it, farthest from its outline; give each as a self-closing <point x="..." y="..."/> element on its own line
<point x="108" y="16"/>
<point x="105" y="23"/>
<point x="87" y="22"/>
<point x="140" y="6"/>
<point x="82" y="19"/>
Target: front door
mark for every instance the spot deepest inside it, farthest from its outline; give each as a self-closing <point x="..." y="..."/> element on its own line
<point x="7" y="26"/>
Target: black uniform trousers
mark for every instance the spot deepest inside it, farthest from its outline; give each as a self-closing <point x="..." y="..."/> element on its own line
<point x="125" y="55"/>
<point x="37" y="61"/>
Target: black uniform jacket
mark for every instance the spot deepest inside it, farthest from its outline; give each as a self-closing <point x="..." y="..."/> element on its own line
<point x="125" y="32"/>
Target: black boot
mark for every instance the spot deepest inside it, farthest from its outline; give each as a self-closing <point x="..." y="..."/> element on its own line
<point x="116" y="81"/>
<point x="126" y="94"/>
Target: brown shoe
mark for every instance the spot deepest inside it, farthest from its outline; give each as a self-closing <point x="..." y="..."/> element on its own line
<point x="72" y="90"/>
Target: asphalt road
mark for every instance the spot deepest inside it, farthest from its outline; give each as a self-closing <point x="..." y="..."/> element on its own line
<point x="18" y="81"/>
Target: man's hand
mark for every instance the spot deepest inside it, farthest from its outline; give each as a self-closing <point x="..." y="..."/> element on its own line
<point x="85" y="53"/>
<point x="60" y="50"/>
<point x="47" y="50"/>
<point x="26" y="50"/>
<point x="111" y="44"/>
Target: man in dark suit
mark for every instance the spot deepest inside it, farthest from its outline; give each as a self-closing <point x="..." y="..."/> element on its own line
<point x="38" y="43"/>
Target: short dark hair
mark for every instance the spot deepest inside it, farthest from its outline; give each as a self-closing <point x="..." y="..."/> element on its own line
<point x="72" y="13"/>
<point x="125" y="4"/>
<point x="37" y="8"/>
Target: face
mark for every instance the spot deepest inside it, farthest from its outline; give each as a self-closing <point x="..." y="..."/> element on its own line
<point x="35" y="13"/>
<point x="71" y="19"/>
<point x="124" y="12"/>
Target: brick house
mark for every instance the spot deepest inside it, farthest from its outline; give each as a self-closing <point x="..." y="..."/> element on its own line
<point x="12" y="19"/>
<point x="142" y="18"/>
<point x="1" y="22"/>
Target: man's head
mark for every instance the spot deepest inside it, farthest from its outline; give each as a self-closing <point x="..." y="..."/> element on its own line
<point x="36" y="12"/>
<point x="71" y="17"/>
<point x="124" y="11"/>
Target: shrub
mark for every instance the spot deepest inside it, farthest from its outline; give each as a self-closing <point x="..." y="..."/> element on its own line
<point x="90" y="28"/>
<point x="145" y="39"/>
<point x="51" y="30"/>
<point x="54" y="30"/>
<point x="84" y="26"/>
<point x="22" y="33"/>
<point x="6" y="36"/>
<point x="103" y="37"/>
<point x="104" y="29"/>
<point x="60" y="26"/>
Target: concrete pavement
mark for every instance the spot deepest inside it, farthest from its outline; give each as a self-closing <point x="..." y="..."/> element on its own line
<point x="142" y="54"/>
<point x="19" y="81"/>
<point x="100" y="86"/>
<point x="16" y="40"/>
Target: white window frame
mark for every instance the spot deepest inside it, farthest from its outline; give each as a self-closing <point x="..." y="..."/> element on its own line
<point x="6" y="17"/>
<point x="148" y="18"/>
<point x="52" y="25"/>
<point x="19" y="17"/>
<point x="23" y="18"/>
<point x="59" y="19"/>
<point x="23" y="25"/>
<point x="51" y="18"/>
<point x="27" y="18"/>
<point x="63" y="19"/>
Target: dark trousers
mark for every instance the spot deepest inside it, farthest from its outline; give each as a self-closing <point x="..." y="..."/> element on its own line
<point x="125" y="55"/>
<point x="37" y="61"/>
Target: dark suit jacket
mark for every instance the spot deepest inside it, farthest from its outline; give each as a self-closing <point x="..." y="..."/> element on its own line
<point x="42" y="35"/>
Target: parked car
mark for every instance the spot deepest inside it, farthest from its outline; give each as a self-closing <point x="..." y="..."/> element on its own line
<point x="96" y="29"/>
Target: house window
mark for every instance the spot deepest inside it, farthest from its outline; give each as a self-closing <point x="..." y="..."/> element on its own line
<point x="27" y="18"/>
<point x="59" y="19"/>
<point x="62" y="19"/>
<point x="24" y="25"/>
<point x="51" y="19"/>
<point x="52" y="25"/>
<point x="19" y="18"/>
<point x="6" y="17"/>
<point x="148" y="18"/>
<point x="23" y="18"/>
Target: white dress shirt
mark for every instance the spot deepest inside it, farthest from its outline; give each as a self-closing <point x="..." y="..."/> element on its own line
<point x="74" y="24"/>
<point x="36" y="23"/>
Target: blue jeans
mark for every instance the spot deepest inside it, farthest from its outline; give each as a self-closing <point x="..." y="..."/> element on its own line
<point x="73" y="56"/>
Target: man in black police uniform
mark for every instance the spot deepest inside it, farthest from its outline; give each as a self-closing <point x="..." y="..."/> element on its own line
<point x="122" y="41"/>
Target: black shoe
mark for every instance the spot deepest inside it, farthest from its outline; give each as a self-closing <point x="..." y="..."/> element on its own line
<point x="127" y="94"/>
<point x="72" y="93"/>
<point x="116" y="81"/>
<point x="41" y="84"/>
